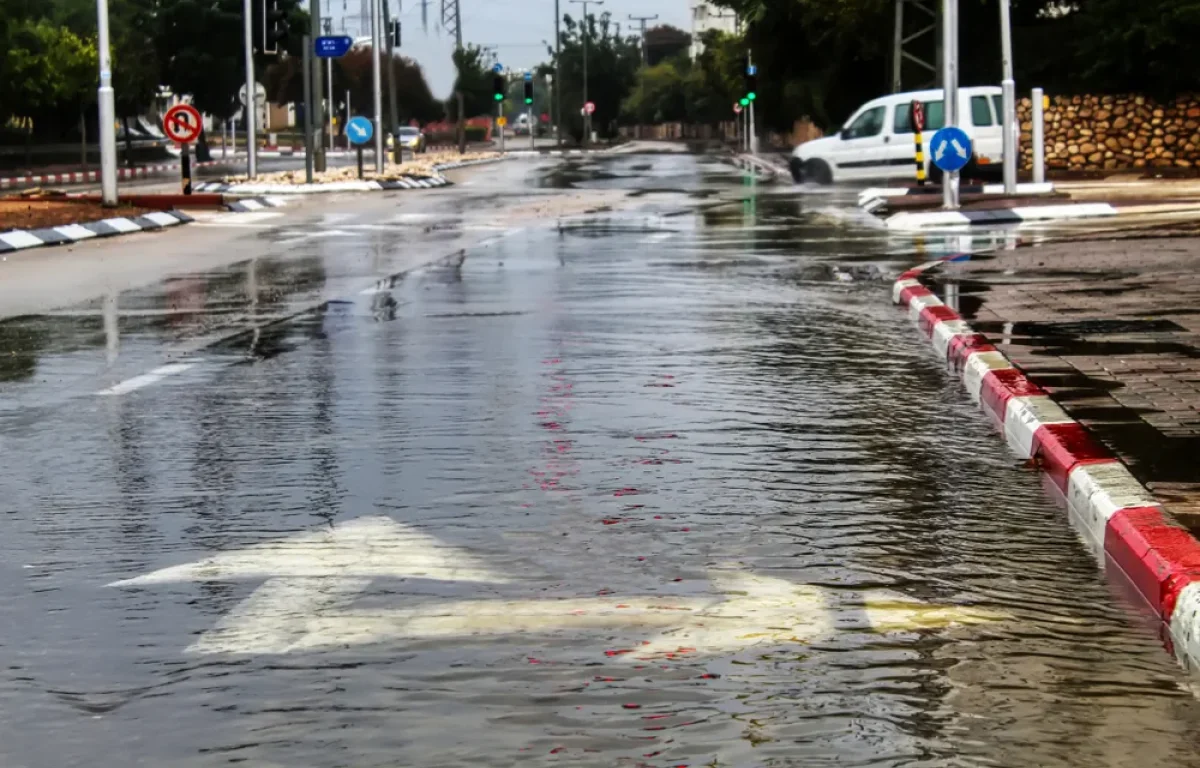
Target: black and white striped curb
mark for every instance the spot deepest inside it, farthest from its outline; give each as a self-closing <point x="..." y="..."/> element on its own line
<point x="248" y="204"/>
<point x="1018" y="215"/>
<point x="408" y="182"/>
<point x="20" y="239"/>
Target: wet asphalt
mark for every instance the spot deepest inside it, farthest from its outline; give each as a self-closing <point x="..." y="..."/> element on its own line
<point x="664" y="483"/>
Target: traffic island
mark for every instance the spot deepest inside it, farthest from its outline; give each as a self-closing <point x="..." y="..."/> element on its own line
<point x="424" y="172"/>
<point x="32" y="221"/>
<point x="1088" y="362"/>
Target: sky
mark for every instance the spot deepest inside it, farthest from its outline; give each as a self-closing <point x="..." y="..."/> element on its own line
<point x="517" y="27"/>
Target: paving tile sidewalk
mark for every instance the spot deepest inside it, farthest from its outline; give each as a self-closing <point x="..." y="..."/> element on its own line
<point x="1112" y="330"/>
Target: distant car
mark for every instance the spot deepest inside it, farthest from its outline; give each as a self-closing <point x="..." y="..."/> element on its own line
<point x="876" y="143"/>
<point x="411" y="138"/>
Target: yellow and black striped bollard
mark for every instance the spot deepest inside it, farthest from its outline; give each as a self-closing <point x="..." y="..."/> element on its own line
<point x="920" y="159"/>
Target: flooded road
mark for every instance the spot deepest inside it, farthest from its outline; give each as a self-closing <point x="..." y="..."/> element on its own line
<point x="667" y="483"/>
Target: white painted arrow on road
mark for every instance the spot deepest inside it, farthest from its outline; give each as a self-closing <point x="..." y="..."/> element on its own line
<point x="314" y="580"/>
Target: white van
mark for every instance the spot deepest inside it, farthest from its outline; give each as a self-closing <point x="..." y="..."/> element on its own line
<point x="876" y="143"/>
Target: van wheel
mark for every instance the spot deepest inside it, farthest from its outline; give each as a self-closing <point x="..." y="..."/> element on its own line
<point x="817" y="172"/>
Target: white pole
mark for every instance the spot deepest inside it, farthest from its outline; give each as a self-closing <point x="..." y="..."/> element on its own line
<point x="1039" y="136"/>
<point x="1009" y="102"/>
<point x="950" y="90"/>
<point x="376" y="70"/>
<point x="251" y="101"/>
<point x="108" y="112"/>
<point x="329" y="73"/>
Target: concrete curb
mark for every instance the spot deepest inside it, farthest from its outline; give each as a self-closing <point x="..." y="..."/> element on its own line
<point x="1119" y="518"/>
<point x="871" y="194"/>
<point x="21" y="239"/>
<point x="410" y="182"/>
<point x="249" y="204"/>
<point x="1019" y="215"/>
<point x="93" y="177"/>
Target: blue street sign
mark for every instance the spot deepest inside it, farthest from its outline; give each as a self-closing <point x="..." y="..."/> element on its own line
<point x="360" y="130"/>
<point x="528" y="76"/>
<point x="332" y="46"/>
<point x="498" y="68"/>
<point x="950" y="148"/>
<point x="751" y="69"/>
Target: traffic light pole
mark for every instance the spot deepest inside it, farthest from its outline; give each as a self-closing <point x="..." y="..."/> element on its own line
<point x="753" y="132"/>
<point x="376" y="42"/>
<point x="108" y="117"/>
<point x="393" y="119"/>
<point x="251" y="136"/>
<point x="499" y="116"/>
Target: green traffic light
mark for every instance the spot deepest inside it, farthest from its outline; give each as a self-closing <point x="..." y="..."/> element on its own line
<point x="744" y="102"/>
<point x="499" y="97"/>
<point x="751" y="96"/>
<point x="528" y="101"/>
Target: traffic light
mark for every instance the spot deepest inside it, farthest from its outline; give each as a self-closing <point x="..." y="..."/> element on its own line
<point x="751" y="82"/>
<point x="744" y="101"/>
<point x="498" y="88"/>
<point x="394" y="33"/>
<point x="274" y="25"/>
<point x="528" y="91"/>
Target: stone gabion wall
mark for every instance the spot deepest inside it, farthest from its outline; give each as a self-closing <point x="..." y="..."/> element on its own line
<point x="1115" y="132"/>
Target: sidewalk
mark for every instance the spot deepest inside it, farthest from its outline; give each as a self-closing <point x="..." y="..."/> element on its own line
<point x="1112" y="330"/>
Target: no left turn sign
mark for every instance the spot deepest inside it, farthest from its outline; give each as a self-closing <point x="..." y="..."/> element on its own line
<point x="182" y="124"/>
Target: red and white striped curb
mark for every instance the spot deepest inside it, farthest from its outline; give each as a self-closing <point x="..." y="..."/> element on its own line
<point x="1126" y="526"/>
<point x="85" y="177"/>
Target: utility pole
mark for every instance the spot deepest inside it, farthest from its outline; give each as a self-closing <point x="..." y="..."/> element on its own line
<point x="318" y="123"/>
<point x="643" y="19"/>
<point x="452" y="20"/>
<point x="950" y="91"/>
<point x="587" y="119"/>
<point x="249" y="107"/>
<point x="376" y="43"/>
<point x="903" y="44"/>
<point x="108" y="112"/>
<point x="557" y="75"/>
<point x="393" y="120"/>
<point x="1008" y="120"/>
<point x="328" y="21"/>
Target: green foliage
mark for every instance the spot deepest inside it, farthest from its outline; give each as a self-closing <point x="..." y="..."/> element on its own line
<point x="474" y="81"/>
<point x="612" y="64"/>
<point x="44" y="65"/>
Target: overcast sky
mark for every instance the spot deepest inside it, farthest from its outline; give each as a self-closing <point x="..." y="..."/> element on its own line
<point x="517" y="27"/>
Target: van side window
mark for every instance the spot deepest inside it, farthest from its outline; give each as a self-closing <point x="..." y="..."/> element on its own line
<point x="998" y="101"/>
<point x="981" y="111"/>
<point x="934" y="119"/>
<point x="869" y="123"/>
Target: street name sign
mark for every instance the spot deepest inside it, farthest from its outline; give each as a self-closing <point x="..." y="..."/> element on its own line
<point x="332" y="46"/>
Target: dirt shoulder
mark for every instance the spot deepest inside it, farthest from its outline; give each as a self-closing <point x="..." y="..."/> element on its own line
<point x="1112" y="330"/>
<point x="33" y="213"/>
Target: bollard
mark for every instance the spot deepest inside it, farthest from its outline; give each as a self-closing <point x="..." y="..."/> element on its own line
<point x="360" y="171"/>
<point x="1038" y="136"/>
<point x="920" y="159"/>
<point x="185" y="168"/>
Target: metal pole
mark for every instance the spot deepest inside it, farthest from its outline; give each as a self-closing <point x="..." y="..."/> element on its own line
<point x="532" y="127"/>
<point x="376" y="40"/>
<point x="329" y="76"/>
<point x="248" y="107"/>
<point x="557" y="75"/>
<point x="1038" y="138"/>
<point x="897" y="46"/>
<point x="586" y="33"/>
<point x="643" y="20"/>
<point x="1009" y="102"/>
<point x="310" y="116"/>
<point x="108" y="112"/>
<point x="500" y="114"/>
<point x="393" y="118"/>
<point x="950" y="94"/>
<point x="318" y="121"/>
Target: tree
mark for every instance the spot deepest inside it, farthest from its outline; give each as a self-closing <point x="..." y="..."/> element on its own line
<point x="474" y="82"/>
<point x="612" y="64"/>
<point x="665" y="42"/>
<point x="44" y="65"/>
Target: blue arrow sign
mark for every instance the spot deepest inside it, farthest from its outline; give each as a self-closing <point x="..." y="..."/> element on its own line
<point x="950" y="148"/>
<point x="528" y="76"/>
<point x="498" y="68"/>
<point x="751" y="69"/>
<point x="332" y="46"/>
<point x="360" y="130"/>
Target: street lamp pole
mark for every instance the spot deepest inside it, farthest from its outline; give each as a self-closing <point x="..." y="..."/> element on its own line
<point x="587" y="119"/>
<point x="376" y="69"/>
<point x="557" y="75"/>
<point x="950" y="199"/>
<point x="1008" y="101"/>
<point x="108" y="112"/>
<point x="251" y="103"/>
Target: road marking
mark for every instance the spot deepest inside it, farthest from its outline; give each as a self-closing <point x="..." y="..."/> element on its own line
<point x="253" y="219"/>
<point x="313" y="580"/>
<point x="656" y="238"/>
<point x="146" y="379"/>
<point x="312" y="235"/>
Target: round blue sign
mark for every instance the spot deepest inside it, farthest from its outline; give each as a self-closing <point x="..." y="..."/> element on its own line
<point x="360" y="130"/>
<point x="498" y="68"/>
<point x="950" y="148"/>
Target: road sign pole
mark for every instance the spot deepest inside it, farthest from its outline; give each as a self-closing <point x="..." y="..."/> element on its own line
<point x="1009" y="101"/>
<point x="557" y="77"/>
<point x="360" y="171"/>
<point x="950" y="91"/>
<point x="329" y="75"/>
<point x="185" y="168"/>
<point x="376" y="71"/>
<point x="251" y="137"/>
<point x="393" y="118"/>
<point x="108" y="112"/>
<point x="317" y="142"/>
<point x="309" y="116"/>
<point x="1038" y="138"/>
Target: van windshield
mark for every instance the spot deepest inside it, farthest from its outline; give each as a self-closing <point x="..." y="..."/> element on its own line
<point x="935" y="117"/>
